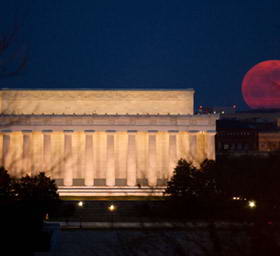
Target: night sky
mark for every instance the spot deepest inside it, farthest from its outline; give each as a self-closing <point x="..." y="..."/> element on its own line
<point x="205" y="45"/>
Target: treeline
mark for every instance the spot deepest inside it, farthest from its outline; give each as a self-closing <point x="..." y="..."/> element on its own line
<point x="224" y="188"/>
<point x="24" y="205"/>
<point x="249" y="177"/>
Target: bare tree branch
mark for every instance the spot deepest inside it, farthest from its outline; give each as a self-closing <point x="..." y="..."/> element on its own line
<point x="12" y="61"/>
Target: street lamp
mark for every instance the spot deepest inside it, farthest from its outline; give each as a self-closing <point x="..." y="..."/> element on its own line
<point x="252" y="204"/>
<point x="112" y="208"/>
<point x="80" y="204"/>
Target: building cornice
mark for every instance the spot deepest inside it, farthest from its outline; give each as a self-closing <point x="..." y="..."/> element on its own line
<point x="109" y="122"/>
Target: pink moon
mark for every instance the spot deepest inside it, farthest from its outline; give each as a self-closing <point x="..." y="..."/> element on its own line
<point x="261" y="85"/>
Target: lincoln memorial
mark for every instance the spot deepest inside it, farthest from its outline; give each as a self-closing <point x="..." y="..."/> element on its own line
<point x="103" y="142"/>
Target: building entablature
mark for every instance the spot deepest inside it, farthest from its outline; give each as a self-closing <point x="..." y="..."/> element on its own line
<point x="109" y="122"/>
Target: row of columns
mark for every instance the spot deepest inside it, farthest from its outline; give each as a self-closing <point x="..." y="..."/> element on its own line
<point x="30" y="158"/>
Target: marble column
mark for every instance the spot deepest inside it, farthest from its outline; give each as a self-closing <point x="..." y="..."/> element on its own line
<point x="110" y="172"/>
<point x="210" y="141"/>
<point x="16" y="166"/>
<point x="152" y="158"/>
<point x="131" y="159"/>
<point x="26" y="153"/>
<point x="37" y="153"/>
<point x="59" y="149"/>
<point x="68" y="155"/>
<point x="172" y="153"/>
<point x="193" y="146"/>
<point x="47" y="152"/>
<point x="89" y="160"/>
<point x="100" y="157"/>
<point x="1" y="150"/>
<point x="200" y="147"/>
<point x="78" y="150"/>
<point x="6" y="150"/>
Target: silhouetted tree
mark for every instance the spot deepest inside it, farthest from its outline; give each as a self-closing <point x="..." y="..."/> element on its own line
<point x="183" y="181"/>
<point x="190" y="183"/>
<point x="39" y="189"/>
<point x="6" y="186"/>
<point x="207" y="176"/>
<point x="26" y="202"/>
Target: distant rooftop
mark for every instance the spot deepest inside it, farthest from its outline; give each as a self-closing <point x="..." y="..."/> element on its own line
<point x="261" y="110"/>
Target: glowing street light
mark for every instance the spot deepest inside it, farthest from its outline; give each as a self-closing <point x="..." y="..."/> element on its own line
<point x="80" y="204"/>
<point x="252" y="204"/>
<point x="236" y="198"/>
<point x="112" y="208"/>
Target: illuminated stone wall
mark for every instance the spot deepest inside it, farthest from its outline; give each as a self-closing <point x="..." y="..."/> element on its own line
<point x="104" y="150"/>
<point x="82" y="102"/>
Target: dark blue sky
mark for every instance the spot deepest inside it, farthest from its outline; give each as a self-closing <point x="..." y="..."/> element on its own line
<point x="205" y="45"/>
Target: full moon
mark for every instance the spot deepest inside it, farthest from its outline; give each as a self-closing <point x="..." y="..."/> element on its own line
<point x="261" y="85"/>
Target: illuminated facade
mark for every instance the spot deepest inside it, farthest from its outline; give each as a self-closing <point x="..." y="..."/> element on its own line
<point x="103" y="142"/>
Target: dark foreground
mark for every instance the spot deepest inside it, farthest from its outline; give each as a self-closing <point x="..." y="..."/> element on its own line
<point x="210" y="240"/>
<point x="232" y="229"/>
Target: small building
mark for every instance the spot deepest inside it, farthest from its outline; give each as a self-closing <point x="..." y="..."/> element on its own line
<point x="269" y="141"/>
<point x="253" y="133"/>
<point x="236" y="137"/>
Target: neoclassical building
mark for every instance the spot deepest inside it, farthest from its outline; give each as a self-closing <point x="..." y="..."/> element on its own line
<point x="103" y="142"/>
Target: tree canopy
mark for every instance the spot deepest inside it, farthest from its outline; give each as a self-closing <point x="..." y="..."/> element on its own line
<point x="190" y="183"/>
<point x="6" y="188"/>
<point x="246" y="177"/>
<point x="37" y="188"/>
